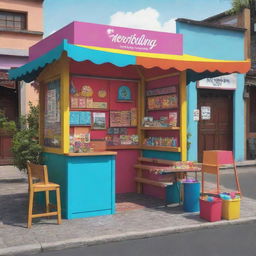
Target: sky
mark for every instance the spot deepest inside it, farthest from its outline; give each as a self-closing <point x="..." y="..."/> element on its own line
<point x="156" y="15"/>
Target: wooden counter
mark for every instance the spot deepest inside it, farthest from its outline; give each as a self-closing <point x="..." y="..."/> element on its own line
<point x="96" y="153"/>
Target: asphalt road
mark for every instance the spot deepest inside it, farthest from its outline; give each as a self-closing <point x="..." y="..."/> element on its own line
<point x="221" y="241"/>
<point x="233" y="240"/>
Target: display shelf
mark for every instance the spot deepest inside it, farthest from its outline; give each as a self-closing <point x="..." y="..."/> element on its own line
<point x="157" y="148"/>
<point x="123" y="147"/>
<point x="80" y="125"/>
<point x="126" y="101"/>
<point x="161" y="109"/>
<point x="90" y="109"/>
<point x="160" y="128"/>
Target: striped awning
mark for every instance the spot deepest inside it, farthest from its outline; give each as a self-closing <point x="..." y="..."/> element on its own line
<point x="122" y="58"/>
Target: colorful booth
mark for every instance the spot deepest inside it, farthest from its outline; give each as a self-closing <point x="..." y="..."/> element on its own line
<point x="106" y="99"/>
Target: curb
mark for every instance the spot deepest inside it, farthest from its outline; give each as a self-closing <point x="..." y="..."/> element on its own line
<point x="85" y="241"/>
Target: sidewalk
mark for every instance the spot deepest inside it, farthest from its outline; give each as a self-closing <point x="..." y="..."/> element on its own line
<point x="139" y="222"/>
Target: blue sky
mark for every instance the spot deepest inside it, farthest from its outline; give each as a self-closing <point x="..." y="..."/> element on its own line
<point x="148" y="14"/>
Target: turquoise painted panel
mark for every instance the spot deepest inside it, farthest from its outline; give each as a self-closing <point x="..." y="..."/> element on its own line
<point x="211" y="42"/>
<point x="90" y="214"/>
<point x="175" y="156"/>
<point x="57" y="171"/>
<point x="90" y="186"/>
<point x="87" y="184"/>
<point x="192" y="125"/>
<point x="239" y="120"/>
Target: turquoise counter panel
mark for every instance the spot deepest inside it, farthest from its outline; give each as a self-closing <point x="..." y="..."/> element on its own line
<point x="87" y="183"/>
<point x="175" y="156"/>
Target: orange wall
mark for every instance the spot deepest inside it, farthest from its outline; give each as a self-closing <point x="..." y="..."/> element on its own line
<point x="12" y="40"/>
<point x="17" y="40"/>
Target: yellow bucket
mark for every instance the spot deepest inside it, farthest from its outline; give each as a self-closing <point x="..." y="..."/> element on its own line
<point x="231" y="209"/>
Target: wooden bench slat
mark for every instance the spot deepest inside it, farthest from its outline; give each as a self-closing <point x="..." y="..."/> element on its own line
<point x="161" y="184"/>
<point x="157" y="161"/>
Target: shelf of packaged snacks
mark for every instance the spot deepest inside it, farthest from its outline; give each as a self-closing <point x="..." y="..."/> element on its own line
<point x="123" y="147"/>
<point x="163" y="148"/>
<point x="160" y="128"/>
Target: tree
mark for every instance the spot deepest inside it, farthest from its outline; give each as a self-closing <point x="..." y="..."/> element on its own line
<point x="238" y="5"/>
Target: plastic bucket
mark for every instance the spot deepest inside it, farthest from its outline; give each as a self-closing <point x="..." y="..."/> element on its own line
<point x="211" y="211"/>
<point x="231" y="209"/>
<point x="191" y="196"/>
<point x="173" y="193"/>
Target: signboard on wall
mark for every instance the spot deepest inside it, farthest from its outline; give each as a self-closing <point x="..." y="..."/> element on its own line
<point x="205" y="112"/>
<point x="227" y="82"/>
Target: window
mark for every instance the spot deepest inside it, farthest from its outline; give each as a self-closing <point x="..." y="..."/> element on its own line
<point x="12" y="20"/>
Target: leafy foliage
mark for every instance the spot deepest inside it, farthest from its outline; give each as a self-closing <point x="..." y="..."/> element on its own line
<point x="25" y="140"/>
<point x="238" y="5"/>
<point x="9" y="126"/>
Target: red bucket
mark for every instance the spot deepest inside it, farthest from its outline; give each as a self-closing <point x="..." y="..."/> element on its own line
<point x="211" y="210"/>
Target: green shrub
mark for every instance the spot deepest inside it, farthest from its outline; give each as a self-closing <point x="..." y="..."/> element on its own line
<point x="25" y="143"/>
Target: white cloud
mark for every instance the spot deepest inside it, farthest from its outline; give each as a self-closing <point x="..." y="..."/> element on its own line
<point x="143" y="19"/>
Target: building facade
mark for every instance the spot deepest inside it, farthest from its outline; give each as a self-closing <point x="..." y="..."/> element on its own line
<point x="245" y="19"/>
<point x="214" y="111"/>
<point x="21" y="26"/>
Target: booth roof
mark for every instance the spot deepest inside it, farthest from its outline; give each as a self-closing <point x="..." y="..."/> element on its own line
<point x="122" y="58"/>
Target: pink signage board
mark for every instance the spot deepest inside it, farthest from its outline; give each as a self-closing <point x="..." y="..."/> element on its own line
<point x="127" y="38"/>
<point x="106" y="36"/>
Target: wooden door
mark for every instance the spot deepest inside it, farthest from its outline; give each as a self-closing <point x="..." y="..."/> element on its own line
<point x="9" y="105"/>
<point x="217" y="132"/>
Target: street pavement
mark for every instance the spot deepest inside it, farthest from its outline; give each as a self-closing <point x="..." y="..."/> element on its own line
<point x="144" y="222"/>
<point x="232" y="240"/>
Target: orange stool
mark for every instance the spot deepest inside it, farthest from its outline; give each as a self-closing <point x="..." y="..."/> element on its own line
<point x="212" y="161"/>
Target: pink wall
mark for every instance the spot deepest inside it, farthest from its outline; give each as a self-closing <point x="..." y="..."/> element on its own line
<point x="125" y="172"/>
<point x="7" y="62"/>
<point x="52" y="41"/>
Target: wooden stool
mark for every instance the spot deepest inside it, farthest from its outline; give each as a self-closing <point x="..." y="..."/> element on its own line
<point x="40" y="173"/>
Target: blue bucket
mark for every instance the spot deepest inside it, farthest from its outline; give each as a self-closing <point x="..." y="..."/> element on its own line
<point x="191" y="196"/>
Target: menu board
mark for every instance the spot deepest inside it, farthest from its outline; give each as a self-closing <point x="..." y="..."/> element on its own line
<point x="52" y="120"/>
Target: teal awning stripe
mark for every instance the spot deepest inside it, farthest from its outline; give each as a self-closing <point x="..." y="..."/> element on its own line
<point x="78" y="53"/>
<point x="31" y="70"/>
